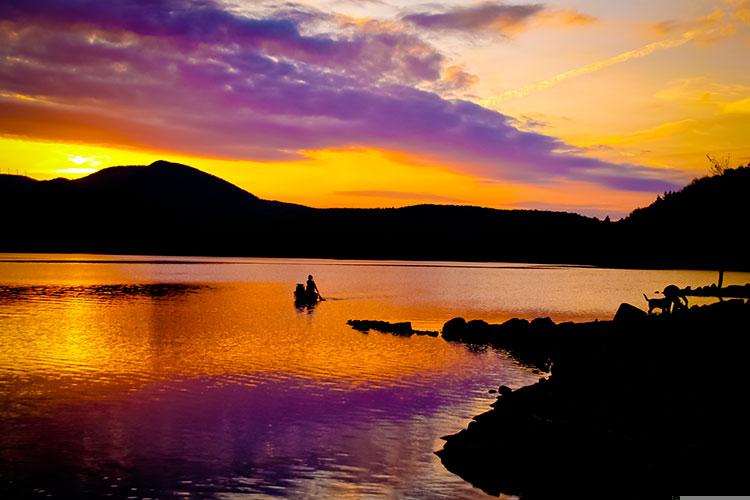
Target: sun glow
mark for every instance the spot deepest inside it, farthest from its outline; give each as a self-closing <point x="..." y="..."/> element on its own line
<point x="76" y="171"/>
<point x="84" y="160"/>
<point x="354" y="177"/>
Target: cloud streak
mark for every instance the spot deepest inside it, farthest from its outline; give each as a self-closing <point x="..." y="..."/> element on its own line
<point x="191" y="77"/>
<point x="495" y="18"/>
<point x="591" y="68"/>
<point x="711" y="28"/>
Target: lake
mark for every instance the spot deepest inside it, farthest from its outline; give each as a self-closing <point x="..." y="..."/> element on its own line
<point x="170" y="376"/>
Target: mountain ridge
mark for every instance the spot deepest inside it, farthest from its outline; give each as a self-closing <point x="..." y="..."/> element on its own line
<point x="173" y="209"/>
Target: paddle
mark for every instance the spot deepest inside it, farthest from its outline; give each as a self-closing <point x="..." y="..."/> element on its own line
<point x="320" y="295"/>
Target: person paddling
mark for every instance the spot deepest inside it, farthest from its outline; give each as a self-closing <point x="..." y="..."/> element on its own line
<point x="313" y="294"/>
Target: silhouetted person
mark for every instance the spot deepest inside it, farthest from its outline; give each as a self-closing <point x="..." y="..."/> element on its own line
<point x="312" y="290"/>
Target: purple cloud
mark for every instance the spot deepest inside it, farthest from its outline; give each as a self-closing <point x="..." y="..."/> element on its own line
<point x="190" y="76"/>
<point x="204" y="26"/>
<point x="495" y="18"/>
<point x="487" y="16"/>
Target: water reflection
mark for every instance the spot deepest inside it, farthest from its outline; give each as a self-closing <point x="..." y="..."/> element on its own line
<point x="159" y="389"/>
<point x="10" y="294"/>
<point x="157" y="379"/>
<point x="303" y="307"/>
<point x="290" y="437"/>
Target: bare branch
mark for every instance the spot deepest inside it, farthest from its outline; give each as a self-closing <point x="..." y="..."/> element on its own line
<point x="719" y="165"/>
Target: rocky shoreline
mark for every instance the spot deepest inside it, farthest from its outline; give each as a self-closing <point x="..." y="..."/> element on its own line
<point x="634" y="407"/>
<point x="638" y="406"/>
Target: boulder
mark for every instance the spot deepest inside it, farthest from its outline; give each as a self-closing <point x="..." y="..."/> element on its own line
<point x="542" y="324"/>
<point x="454" y="329"/>
<point x="515" y="327"/>
<point x="476" y="332"/>
<point x="629" y="313"/>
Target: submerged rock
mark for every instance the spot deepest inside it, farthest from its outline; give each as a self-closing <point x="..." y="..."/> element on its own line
<point x="403" y="329"/>
<point x="428" y="333"/>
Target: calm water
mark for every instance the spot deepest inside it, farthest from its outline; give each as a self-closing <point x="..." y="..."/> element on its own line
<point x="143" y="377"/>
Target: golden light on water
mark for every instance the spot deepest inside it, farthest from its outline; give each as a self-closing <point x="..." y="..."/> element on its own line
<point x="111" y="364"/>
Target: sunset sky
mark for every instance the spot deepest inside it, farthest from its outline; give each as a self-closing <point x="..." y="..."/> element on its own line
<point x="592" y="107"/>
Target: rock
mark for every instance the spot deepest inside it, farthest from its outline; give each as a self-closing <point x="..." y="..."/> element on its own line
<point x="492" y="391"/>
<point x="360" y="326"/>
<point x="542" y="324"/>
<point x="429" y="333"/>
<point x="515" y="326"/>
<point x="454" y="329"/>
<point x="648" y="404"/>
<point x="403" y="329"/>
<point x="476" y="332"/>
<point x="630" y="313"/>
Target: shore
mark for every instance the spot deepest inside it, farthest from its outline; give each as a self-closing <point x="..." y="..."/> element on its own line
<point x="640" y="405"/>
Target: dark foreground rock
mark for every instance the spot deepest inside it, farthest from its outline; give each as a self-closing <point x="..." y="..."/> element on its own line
<point x="402" y="329"/>
<point x="731" y="291"/>
<point x="627" y="312"/>
<point x="530" y="341"/>
<point x="637" y="407"/>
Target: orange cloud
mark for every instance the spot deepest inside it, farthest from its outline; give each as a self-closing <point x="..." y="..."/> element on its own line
<point x="710" y="28"/>
<point x="455" y="78"/>
<point x="47" y="122"/>
<point x="565" y="17"/>
<point x="721" y="23"/>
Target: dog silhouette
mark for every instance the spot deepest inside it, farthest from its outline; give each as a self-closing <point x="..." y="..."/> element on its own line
<point x="663" y="303"/>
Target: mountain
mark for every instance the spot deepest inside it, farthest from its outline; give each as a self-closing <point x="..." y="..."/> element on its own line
<point x="171" y="209"/>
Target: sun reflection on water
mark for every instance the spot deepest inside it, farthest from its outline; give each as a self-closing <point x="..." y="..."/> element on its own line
<point x="205" y="379"/>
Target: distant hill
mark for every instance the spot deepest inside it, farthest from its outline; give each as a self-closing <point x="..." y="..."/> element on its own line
<point x="705" y="222"/>
<point x="699" y="202"/>
<point x="171" y="209"/>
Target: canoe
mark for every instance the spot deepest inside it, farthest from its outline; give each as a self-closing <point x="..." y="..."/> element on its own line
<point x="301" y="298"/>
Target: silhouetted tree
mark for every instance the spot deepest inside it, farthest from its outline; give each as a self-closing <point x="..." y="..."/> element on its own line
<point x="718" y="167"/>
